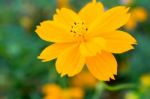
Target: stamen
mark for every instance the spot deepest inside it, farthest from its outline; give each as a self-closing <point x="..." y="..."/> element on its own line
<point x="86" y="29"/>
<point x="79" y="29"/>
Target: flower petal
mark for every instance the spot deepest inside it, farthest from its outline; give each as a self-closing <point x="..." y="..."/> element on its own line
<point x="92" y="47"/>
<point x="110" y="20"/>
<point x="103" y="66"/>
<point x="70" y="62"/>
<point x="66" y="16"/>
<point x="52" y="51"/>
<point x="54" y="32"/>
<point x="118" y="41"/>
<point x="91" y="11"/>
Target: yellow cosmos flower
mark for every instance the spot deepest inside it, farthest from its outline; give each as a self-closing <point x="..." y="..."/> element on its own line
<point x="138" y="14"/>
<point x="88" y="37"/>
<point x="145" y="80"/>
<point x="53" y="91"/>
<point x="131" y="95"/>
<point x="26" y="22"/>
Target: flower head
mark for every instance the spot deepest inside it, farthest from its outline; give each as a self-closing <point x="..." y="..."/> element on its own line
<point x="138" y="14"/>
<point x="88" y="37"/>
<point x="53" y="91"/>
<point x="131" y="95"/>
<point x="145" y="80"/>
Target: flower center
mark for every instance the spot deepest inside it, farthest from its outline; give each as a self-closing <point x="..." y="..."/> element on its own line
<point x="79" y="29"/>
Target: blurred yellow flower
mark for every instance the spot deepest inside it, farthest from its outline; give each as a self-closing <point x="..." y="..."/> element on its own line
<point x="26" y="22"/>
<point x="63" y="3"/>
<point x="85" y="78"/>
<point x="145" y="80"/>
<point x="138" y="14"/>
<point x="73" y="93"/>
<point x="52" y="91"/>
<point x="88" y="37"/>
<point x="131" y="95"/>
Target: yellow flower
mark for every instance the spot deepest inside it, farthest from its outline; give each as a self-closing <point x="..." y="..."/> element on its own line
<point x="26" y="22"/>
<point x="85" y="78"/>
<point x="132" y="95"/>
<point x="50" y="88"/>
<point x="88" y="37"/>
<point x="145" y="80"/>
<point x="52" y="91"/>
<point x="73" y="93"/>
<point x="138" y="14"/>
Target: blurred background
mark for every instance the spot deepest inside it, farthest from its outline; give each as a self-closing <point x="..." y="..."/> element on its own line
<point x="23" y="76"/>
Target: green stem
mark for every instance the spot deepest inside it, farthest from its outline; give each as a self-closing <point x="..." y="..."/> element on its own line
<point x="119" y="87"/>
<point x="98" y="91"/>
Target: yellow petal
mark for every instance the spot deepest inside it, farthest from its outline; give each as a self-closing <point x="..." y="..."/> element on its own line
<point x="66" y="17"/>
<point x="103" y="66"/>
<point x="109" y="20"/>
<point x="70" y="62"/>
<point x="54" y="32"/>
<point x="91" y="11"/>
<point x="92" y="47"/>
<point x="52" y="51"/>
<point x="118" y="41"/>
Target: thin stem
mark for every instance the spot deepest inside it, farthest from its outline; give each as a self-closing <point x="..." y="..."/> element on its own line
<point x="119" y="87"/>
